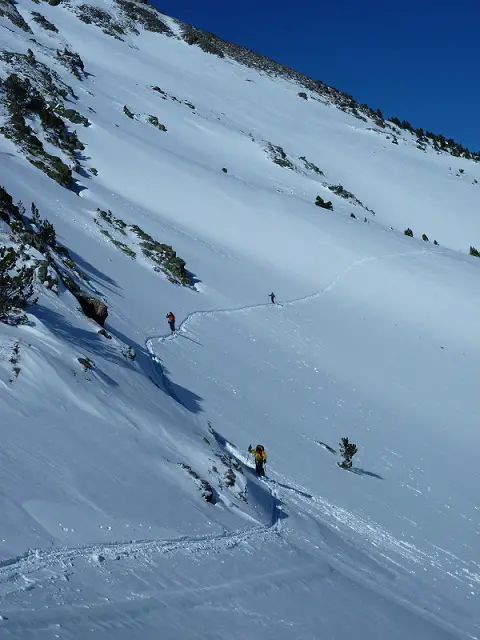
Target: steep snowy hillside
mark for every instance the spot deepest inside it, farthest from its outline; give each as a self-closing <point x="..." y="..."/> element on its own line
<point x="147" y="167"/>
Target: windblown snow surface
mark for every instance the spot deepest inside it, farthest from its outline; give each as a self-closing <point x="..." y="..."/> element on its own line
<point x="103" y="532"/>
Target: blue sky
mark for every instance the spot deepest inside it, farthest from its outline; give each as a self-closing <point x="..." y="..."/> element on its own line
<point x="416" y="60"/>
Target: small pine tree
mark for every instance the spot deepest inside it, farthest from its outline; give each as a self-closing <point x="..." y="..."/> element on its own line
<point x="47" y="233"/>
<point x="435" y="243"/>
<point x="425" y="237"/>
<point x="35" y="214"/>
<point x="16" y="282"/>
<point x="408" y="232"/>
<point x="347" y="451"/>
<point x="474" y="252"/>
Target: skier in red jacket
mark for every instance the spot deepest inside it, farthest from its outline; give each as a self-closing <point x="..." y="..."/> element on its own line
<point x="171" y="321"/>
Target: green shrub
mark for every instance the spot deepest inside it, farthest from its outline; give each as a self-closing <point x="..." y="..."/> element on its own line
<point x="225" y="170"/>
<point x="347" y="451"/>
<point x="72" y="115"/>
<point x="474" y="252"/>
<point x="153" y="120"/>
<point x="425" y="237"/>
<point x="47" y="233"/>
<point x="320" y="202"/>
<point x="127" y="112"/>
<point x="303" y="95"/>
<point x="164" y="256"/>
<point x="408" y="232"/>
<point x="93" y="171"/>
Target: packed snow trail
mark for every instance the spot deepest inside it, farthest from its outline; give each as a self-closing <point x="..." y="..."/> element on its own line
<point x="317" y="294"/>
<point x="35" y="560"/>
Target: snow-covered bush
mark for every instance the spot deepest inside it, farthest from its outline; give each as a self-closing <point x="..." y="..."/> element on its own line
<point x="474" y="252"/>
<point x="347" y="451"/>
<point x="16" y="282"/>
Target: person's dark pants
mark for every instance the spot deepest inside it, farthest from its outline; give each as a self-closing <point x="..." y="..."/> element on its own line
<point x="172" y="326"/>
<point x="259" y="470"/>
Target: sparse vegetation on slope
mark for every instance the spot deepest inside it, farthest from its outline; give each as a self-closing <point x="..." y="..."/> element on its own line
<point x="164" y="257"/>
<point x="102" y="19"/>
<point x="9" y="10"/>
<point x="168" y="96"/>
<point x="23" y="100"/>
<point x="311" y="167"/>
<point x="73" y="62"/>
<point x="153" y="120"/>
<point x="148" y="17"/>
<point x="278" y="156"/>
<point x="210" y="43"/>
<point x="43" y="22"/>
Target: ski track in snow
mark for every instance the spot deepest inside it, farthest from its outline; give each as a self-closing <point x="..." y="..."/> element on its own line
<point x="40" y="559"/>
<point x="317" y="294"/>
<point x="382" y="540"/>
<point x="378" y="536"/>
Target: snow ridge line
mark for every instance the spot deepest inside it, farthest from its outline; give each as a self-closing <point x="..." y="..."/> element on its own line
<point x="40" y="559"/>
<point x="317" y="294"/>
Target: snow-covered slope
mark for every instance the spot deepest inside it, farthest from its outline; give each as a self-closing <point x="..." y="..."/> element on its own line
<point x="129" y="506"/>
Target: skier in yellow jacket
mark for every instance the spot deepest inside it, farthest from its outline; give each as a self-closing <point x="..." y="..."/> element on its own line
<point x="260" y="459"/>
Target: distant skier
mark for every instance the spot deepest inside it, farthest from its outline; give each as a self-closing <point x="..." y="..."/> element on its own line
<point x="171" y="321"/>
<point x="272" y="297"/>
<point x="260" y="459"/>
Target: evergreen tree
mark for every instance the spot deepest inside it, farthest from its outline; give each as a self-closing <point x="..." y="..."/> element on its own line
<point x="347" y="451"/>
<point x="35" y="214"/>
<point x="47" y="233"/>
